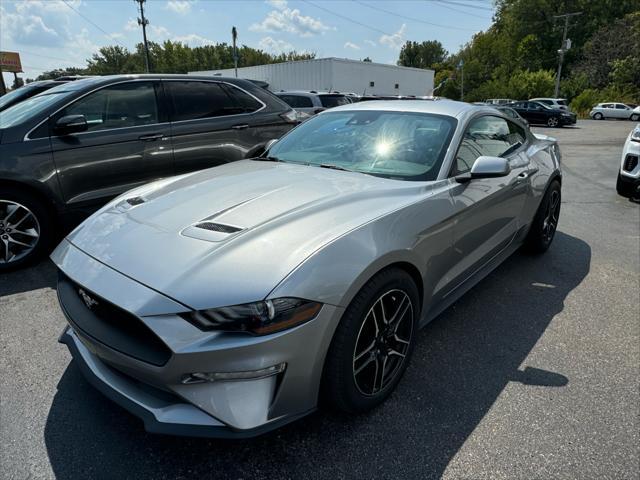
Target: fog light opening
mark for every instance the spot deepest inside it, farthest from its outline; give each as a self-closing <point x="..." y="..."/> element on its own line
<point x="203" y="377"/>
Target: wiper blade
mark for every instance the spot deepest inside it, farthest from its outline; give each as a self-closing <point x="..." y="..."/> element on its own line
<point x="268" y="159"/>
<point x="334" y="167"/>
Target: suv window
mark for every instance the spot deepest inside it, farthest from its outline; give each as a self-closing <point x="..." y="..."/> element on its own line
<point x="117" y="106"/>
<point x="194" y="100"/>
<point x="243" y="100"/>
<point x="546" y="102"/>
<point x="297" y="101"/>
<point x="491" y="136"/>
<point x="329" y="101"/>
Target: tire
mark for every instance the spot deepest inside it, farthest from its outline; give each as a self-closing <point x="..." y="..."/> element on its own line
<point x="26" y="229"/>
<point x="635" y="117"/>
<point x="351" y="380"/>
<point x="545" y="222"/>
<point x="553" y="122"/>
<point x="598" y="116"/>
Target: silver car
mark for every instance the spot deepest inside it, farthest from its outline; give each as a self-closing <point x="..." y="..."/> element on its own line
<point x="613" y="110"/>
<point x="226" y="302"/>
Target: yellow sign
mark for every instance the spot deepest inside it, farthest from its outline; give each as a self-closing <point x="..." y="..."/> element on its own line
<point x="10" y="62"/>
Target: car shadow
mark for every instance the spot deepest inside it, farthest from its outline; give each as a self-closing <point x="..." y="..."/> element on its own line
<point x="462" y="362"/>
<point x="41" y="275"/>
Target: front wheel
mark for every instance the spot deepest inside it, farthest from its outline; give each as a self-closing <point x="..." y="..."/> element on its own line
<point x="26" y="229"/>
<point x="552" y="122"/>
<point x="373" y="343"/>
<point x="598" y="116"/>
<point x="544" y="225"/>
<point x="635" y="117"/>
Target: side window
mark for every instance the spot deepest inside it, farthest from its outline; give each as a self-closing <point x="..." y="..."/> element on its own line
<point x="117" y="106"/>
<point x="546" y="102"/>
<point x="245" y="102"/>
<point x="619" y="106"/>
<point x="490" y="136"/>
<point x="194" y="100"/>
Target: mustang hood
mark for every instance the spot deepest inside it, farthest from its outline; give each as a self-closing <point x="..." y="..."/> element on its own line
<point x="230" y="234"/>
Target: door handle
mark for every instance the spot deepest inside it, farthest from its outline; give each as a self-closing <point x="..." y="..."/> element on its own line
<point x="242" y="126"/>
<point x="526" y="174"/>
<point x="151" y="137"/>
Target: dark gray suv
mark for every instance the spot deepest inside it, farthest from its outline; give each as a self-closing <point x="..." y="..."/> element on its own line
<point x="66" y="151"/>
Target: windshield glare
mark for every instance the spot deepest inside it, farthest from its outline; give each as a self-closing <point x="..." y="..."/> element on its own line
<point x="24" y="110"/>
<point x="401" y="145"/>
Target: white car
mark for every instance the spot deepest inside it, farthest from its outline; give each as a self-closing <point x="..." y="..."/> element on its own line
<point x="558" y="103"/>
<point x="628" y="184"/>
<point x="614" y="110"/>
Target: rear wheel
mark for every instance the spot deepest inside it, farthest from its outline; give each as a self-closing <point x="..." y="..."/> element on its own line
<point x="598" y="116"/>
<point x="553" y="122"/>
<point x="373" y="343"/>
<point x="26" y="229"/>
<point x="545" y="223"/>
<point x="635" y="117"/>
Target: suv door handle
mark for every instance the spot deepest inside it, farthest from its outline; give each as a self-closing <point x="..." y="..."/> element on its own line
<point x="151" y="137"/>
<point x="241" y="126"/>
<point x="526" y="174"/>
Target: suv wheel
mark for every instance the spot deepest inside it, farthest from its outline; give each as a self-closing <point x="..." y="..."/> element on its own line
<point x="552" y="121"/>
<point x="635" y="117"/>
<point x="598" y="116"/>
<point x="26" y="229"/>
<point x="373" y="343"/>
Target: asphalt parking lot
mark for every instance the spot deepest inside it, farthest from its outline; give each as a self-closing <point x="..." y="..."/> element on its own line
<point x="534" y="374"/>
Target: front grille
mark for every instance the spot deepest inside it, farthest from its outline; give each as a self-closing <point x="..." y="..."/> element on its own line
<point x="630" y="163"/>
<point x="218" y="227"/>
<point x="108" y="324"/>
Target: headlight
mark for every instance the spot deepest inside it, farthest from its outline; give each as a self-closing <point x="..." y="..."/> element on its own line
<point x="635" y="135"/>
<point x="258" y="318"/>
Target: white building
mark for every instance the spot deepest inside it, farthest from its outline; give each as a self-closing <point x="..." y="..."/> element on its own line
<point x="336" y="74"/>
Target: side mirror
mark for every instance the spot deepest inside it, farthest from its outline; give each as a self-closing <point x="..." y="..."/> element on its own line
<point x="486" y="167"/>
<point x="70" y="124"/>
<point x="318" y="110"/>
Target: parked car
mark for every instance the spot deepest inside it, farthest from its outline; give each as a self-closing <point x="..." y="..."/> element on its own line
<point x="628" y="184"/>
<point x="537" y="113"/>
<point x="27" y="91"/>
<point x="499" y="101"/>
<point x="613" y="110"/>
<point x="312" y="102"/>
<point x="225" y="302"/>
<point x="510" y="112"/>
<point x="557" y="103"/>
<point x="69" y="150"/>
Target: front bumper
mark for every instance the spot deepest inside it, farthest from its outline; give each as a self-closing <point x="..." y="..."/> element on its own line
<point x="155" y="391"/>
<point x="571" y="120"/>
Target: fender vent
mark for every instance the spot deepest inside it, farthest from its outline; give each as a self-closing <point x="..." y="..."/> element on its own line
<point x="217" y="227"/>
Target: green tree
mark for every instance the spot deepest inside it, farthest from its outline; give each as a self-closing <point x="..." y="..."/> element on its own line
<point x="422" y="55"/>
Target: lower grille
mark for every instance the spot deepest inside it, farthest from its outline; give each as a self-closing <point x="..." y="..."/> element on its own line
<point x="630" y="163"/>
<point x="108" y="324"/>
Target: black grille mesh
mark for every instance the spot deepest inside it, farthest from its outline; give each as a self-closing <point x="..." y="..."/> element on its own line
<point x="630" y="163"/>
<point x="218" y="227"/>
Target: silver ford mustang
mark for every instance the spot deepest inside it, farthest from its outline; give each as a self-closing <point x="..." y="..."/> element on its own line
<point x="226" y="302"/>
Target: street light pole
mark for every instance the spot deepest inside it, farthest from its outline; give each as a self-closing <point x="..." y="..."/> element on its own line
<point x="234" y="36"/>
<point x="144" y="22"/>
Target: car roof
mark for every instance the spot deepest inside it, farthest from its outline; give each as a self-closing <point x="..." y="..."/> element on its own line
<point x="441" y="107"/>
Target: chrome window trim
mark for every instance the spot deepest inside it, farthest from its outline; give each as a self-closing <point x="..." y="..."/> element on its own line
<point x="26" y="137"/>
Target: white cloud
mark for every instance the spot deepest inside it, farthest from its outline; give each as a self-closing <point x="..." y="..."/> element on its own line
<point x="179" y="6"/>
<point x="131" y="25"/>
<point x="370" y="42"/>
<point x="285" y="19"/>
<point x="351" y="45"/>
<point x="276" y="46"/>
<point x="193" y="40"/>
<point x="159" y="31"/>
<point x="396" y="40"/>
<point x="37" y="23"/>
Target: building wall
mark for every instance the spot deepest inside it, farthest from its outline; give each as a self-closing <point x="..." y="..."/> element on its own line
<point x="337" y="74"/>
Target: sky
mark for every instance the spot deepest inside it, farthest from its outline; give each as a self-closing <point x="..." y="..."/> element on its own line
<point x="51" y="34"/>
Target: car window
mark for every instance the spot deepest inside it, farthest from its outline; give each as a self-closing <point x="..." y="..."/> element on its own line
<point x="490" y="136"/>
<point x="329" y="101"/>
<point x="546" y="102"/>
<point x="117" y="106"/>
<point x="193" y="100"/>
<point x="607" y="105"/>
<point x="242" y="99"/>
<point x="619" y="106"/>
<point x="562" y="102"/>
<point x="297" y="101"/>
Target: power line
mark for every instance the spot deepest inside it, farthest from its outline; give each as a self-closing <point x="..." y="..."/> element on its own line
<point x="411" y="19"/>
<point x="475" y="15"/>
<point x="347" y="18"/>
<point x="92" y="23"/>
<point x="47" y="56"/>
<point x="459" y="4"/>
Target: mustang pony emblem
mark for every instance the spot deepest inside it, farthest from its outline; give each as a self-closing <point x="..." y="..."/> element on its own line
<point x="88" y="301"/>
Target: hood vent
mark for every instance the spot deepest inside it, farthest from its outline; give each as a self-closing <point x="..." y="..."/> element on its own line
<point x="218" y="227"/>
<point x="133" y="201"/>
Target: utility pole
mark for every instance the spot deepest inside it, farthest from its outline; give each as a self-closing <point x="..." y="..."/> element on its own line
<point x="461" y="66"/>
<point x="234" y="37"/>
<point x="563" y="47"/>
<point x="144" y="22"/>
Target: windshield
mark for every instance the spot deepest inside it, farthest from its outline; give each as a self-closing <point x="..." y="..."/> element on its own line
<point x="17" y="93"/>
<point x="28" y="108"/>
<point x="400" y="145"/>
